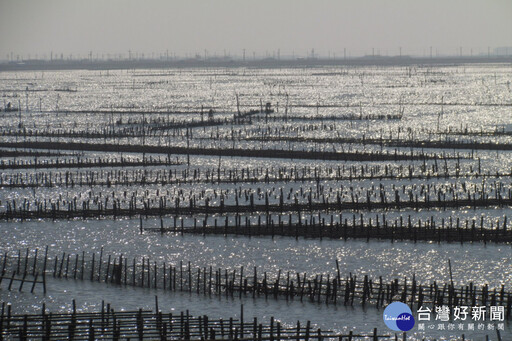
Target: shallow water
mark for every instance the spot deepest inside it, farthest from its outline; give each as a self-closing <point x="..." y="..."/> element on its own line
<point x="433" y="99"/>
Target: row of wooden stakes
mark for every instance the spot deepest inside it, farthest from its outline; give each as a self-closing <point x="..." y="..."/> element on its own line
<point x="321" y="288"/>
<point x="109" y="324"/>
<point x="385" y="229"/>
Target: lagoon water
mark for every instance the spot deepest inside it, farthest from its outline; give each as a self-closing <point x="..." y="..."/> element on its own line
<point x="470" y="97"/>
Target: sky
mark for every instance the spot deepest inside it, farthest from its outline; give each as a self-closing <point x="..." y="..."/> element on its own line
<point x="262" y="27"/>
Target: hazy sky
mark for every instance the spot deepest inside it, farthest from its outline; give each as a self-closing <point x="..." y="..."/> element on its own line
<point x="190" y="26"/>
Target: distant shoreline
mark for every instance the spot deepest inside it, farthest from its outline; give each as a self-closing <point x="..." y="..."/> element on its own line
<point x="85" y="64"/>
